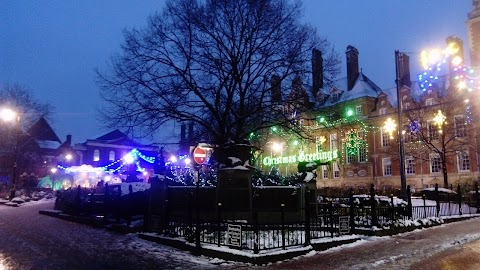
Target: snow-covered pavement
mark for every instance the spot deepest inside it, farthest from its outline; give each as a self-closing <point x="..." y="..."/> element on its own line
<point x="29" y="240"/>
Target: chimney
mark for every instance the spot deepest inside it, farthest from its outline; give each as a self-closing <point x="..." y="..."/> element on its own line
<point x="276" y="86"/>
<point x="190" y="133"/>
<point x="317" y="71"/>
<point x="182" y="133"/>
<point x="352" y="66"/>
<point x="403" y="67"/>
<point x="69" y="140"/>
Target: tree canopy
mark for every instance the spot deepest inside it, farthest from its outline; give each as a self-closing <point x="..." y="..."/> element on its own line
<point x="212" y="63"/>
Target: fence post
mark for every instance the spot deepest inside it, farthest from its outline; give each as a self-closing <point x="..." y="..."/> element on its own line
<point x="409" y="202"/>
<point x="459" y="199"/>
<point x="307" y="216"/>
<point x="476" y="197"/>
<point x="330" y="214"/>
<point x="352" y="211"/>
<point x="282" y="213"/>
<point x="190" y="217"/>
<point x="424" y="206"/>
<point x="393" y="209"/>
<point x="373" y="205"/>
<point x="255" y="231"/>
<point x="197" y="216"/>
<point x="437" y="201"/>
<point x="219" y="221"/>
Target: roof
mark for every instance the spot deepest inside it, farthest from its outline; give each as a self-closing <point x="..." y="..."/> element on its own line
<point x="42" y="131"/>
<point x="363" y="87"/>
<point x="113" y="135"/>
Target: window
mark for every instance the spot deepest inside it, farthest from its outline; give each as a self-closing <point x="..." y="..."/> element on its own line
<point x="318" y="143"/>
<point x="382" y="111"/>
<point x="460" y="126"/>
<point x="336" y="170"/>
<point x="96" y="155"/>
<point x="429" y="102"/>
<point x="362" y="154"/>
<point x="334" y="97"/>
<point x="387" y="166"/>
<point x="382" y="103"/>
<point x="408" y="136"/>
<point x="111" y="156"/>
<point x="359" y="110"/>
<point x="409" y="165"/>
<point x="433" y="130"/>
<point x="463" y="162"/>
<point x="435" y="163"/>
<point x="333" y="142"/>
<point x="406" y="106"/>
<point x="325" y="171"/>
<point x="385" y="138"/>
<point x="350" y="157"/>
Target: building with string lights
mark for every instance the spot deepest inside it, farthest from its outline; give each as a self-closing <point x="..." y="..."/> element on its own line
<point x="355" y="128"/>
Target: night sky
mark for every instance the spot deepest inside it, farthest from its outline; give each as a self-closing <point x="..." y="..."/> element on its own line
<point x="52" y="47"/>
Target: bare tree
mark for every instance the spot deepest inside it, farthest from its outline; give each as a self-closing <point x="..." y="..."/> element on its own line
<point x="211" y="63"/>
<point x="440" y="128"/>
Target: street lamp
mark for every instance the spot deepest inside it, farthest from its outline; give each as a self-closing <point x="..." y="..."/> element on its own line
<point x="9" y="115"/>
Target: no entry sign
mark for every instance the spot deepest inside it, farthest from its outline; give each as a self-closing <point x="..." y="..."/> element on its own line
<point x="200" y="155"/>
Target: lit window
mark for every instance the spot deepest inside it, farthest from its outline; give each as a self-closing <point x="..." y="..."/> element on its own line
<point x="350" y="157"/>
<point x="111" y="156"/>
<point x="96" y="155"/>
<point x="463" y="162"/>
<point x="387" y="166"/>
<point x="435" y="163"/>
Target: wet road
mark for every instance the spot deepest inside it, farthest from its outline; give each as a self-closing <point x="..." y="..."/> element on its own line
<point x="29" y="240"/>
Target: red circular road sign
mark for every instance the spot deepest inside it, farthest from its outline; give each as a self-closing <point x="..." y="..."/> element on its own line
<point x="200" y="155"/>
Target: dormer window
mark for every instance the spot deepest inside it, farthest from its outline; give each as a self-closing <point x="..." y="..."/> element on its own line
<point x="334" y="97"/>
<point x="382" y="103"/>
<point x="359" y="110"/>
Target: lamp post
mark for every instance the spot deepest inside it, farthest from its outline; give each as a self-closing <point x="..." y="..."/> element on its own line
<point x="403" y="179"/>
<point x="9" y="115"/>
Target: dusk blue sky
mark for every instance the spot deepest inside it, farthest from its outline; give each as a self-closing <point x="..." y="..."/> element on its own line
<point x="53" y="46"/>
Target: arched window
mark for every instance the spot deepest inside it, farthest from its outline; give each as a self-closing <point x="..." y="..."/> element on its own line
<point x="96" y="155"/>
<point x="111" y="156"/>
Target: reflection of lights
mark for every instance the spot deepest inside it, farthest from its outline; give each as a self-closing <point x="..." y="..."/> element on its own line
<point x="467" y="100"/>
<point x="53" y="170"/>
<point x="173" y="159"/>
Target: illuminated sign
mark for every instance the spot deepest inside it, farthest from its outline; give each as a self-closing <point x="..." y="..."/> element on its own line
<point x="301" y="157"/>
